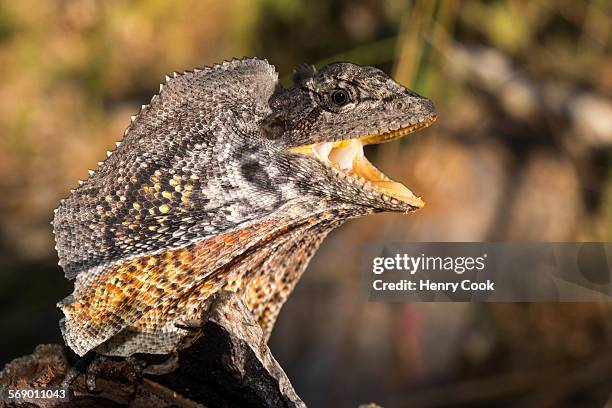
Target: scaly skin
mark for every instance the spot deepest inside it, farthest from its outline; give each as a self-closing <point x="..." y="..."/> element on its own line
<point x="225" y="180"/>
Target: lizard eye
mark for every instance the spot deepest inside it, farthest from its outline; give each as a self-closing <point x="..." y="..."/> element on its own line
<point x="339" y="97"/>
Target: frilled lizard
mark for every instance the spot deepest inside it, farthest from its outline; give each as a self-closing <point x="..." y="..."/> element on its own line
<point x="226" y="180"/>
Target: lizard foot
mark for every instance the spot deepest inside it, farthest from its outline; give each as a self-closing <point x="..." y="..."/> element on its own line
<point x="88" y="364"/>
<point x="77" y="369"/>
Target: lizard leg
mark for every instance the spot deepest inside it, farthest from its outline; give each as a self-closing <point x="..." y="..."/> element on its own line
<point x="92" y="371"/>
<point x="90" y="365"/>
<point x="167" y="366"/>
<point x="78" y="368"/>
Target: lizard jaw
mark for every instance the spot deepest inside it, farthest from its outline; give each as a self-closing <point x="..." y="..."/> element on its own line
<point x="347" y="156"/>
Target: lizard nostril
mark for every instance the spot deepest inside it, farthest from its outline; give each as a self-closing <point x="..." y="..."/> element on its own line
<point x="399" y="105"/>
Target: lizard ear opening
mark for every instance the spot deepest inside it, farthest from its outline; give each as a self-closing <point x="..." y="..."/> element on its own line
<point x="273" y="126"/>
<point x="303" y="72"/>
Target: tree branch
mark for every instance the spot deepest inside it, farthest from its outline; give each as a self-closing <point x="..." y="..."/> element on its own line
<point x="228" y="366"/>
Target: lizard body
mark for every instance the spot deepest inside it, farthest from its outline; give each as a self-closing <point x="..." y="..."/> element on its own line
<point x="226" y="180"/>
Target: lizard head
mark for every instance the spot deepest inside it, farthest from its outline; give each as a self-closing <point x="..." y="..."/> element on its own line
<point x="327" y="117"/>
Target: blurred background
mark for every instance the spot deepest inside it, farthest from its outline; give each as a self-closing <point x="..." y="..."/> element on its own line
<point x="522" y="151"/>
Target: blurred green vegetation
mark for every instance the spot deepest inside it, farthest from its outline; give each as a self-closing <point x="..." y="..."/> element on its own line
<point x="521" y="151"/>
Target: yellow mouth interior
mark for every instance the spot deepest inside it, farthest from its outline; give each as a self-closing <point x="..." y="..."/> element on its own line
<point x="347" y="156"/>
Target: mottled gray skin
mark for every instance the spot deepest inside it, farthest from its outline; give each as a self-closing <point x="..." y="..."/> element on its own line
<point x="227" y="130"/>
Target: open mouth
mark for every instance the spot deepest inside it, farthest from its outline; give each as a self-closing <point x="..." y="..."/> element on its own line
<point x="347" y="156"/>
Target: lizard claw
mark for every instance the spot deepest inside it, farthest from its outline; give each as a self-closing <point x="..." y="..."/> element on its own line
<point x="165" y="367"/>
